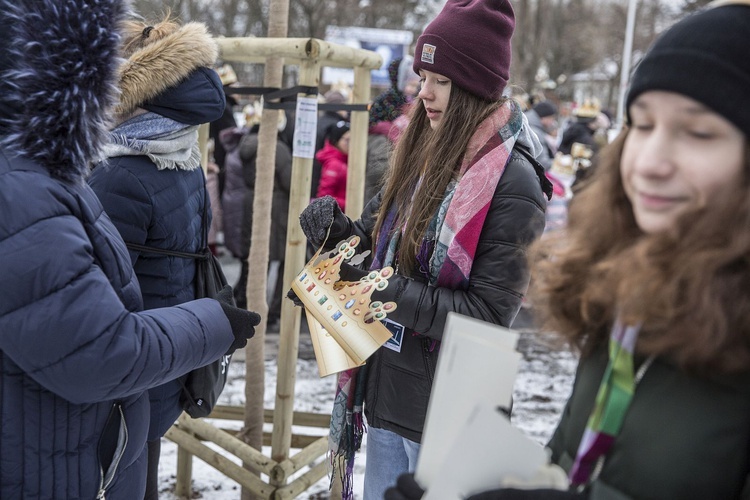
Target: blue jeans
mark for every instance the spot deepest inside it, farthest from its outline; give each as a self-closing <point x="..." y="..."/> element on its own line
<point x="388" y="456"/>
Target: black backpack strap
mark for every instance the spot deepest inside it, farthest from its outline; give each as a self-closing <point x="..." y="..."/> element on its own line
<point x="204" y="216"/>
<point x="545" y="183"/>
<point x="161" y="251"/>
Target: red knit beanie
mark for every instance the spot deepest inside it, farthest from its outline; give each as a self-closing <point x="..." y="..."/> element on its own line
<point x="469" y="42"/>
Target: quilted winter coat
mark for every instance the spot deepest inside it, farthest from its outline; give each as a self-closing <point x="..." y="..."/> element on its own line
<point x="76" y="356"/>
<point x="163" y="207"/>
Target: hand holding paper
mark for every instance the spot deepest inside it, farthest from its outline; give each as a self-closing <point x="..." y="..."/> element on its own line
<point x="469" y="445"/>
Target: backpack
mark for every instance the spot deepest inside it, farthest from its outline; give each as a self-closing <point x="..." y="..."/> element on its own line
<point x="201" y="387"/>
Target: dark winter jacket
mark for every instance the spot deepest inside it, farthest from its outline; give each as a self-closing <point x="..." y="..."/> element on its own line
<point x="683" y="436"/>
<point x="160" y="208"/>
<point x="163" y="208"/>
<point x="76" y="356"/>
<point x="399" y="384"/>
<point x="281" y="185"/>
<point x="378" y="150"/>
<point x="333" y="173"/>
<point x="235" y="191"/>
<point x="577" y="132"/>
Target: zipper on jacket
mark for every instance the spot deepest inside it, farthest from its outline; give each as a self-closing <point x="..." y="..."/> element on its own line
<point x="116" y="417"/>
<point x="426" y="355"/>
<point x="373" y="402"/>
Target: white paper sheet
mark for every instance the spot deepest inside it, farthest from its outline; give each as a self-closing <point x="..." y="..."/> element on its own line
<point x="477" y="364"/>
<point x="486" y="450"/>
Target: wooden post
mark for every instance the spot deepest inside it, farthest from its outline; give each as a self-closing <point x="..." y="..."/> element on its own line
<point x="295" y="259"/>
<point x="184" y="483"/>
<point x="355" y="176"/>
<point x="203" y="132"/>
<point x="297" y="51"/>
<point x="302" y="459"/>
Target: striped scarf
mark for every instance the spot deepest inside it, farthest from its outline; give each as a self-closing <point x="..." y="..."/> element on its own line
<point x="612" y="402"/>
<point x="167" y="143"/>
<point x="456" y="227"/>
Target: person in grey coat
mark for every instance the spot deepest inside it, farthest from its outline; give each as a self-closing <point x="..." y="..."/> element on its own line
<point x="543" y="121"/>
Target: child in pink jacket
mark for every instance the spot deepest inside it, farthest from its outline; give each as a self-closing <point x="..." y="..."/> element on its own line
<point x="333" y="157"/>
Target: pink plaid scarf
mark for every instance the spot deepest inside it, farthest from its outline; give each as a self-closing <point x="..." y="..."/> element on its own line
<point x="486" y="157"/>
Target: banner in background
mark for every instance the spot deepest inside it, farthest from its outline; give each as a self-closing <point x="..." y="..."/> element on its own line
<point x="390" y="44"/>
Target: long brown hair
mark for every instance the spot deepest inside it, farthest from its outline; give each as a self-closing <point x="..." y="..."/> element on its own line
<point x="689" y="288"/>
<point x="423" y="164"/>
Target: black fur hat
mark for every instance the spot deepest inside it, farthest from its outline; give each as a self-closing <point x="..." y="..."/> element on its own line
<point x="58" y="58"/>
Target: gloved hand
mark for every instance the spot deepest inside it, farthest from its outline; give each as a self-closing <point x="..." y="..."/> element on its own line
<point x="549" y="481"/>
<point x="351" y="273"/>
<point x="318" y="216"/>
<point x="537" y="494"/>
<point x="243" y="322"/>
<point x="406" y="489"/>
<point x="293" y="297"/>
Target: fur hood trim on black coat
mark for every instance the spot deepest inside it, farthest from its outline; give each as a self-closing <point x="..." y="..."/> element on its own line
<point x="162" y="64"/>
<point x="59" y="80"/>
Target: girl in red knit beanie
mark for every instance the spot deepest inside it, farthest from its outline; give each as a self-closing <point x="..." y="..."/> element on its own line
<point x="462" y="199"/>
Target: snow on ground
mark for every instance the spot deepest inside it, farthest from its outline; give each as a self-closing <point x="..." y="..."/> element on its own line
<point x="542" y="387"/>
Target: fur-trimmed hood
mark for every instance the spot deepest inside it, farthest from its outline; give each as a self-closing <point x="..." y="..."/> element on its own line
<point x="58" y="74"/>
<point x="162" y="63"/>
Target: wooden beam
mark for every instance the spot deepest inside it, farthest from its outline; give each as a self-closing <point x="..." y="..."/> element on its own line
<point x="302" y="483"/>
<point x="301" y="418"/>
<point x="295" y="51"/>
<point x="230" y="469"/>
<point x="238" y="448"/>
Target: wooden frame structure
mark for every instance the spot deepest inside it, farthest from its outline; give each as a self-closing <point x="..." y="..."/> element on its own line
<point x="310" y="54"/>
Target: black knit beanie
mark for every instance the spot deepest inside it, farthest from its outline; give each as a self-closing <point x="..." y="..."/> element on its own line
<point x="704" y="57"/>
<point x="545" y="108"/>
<point x="337" y="131"/>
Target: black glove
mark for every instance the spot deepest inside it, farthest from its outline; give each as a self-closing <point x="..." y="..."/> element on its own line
<point x="318" y="216"/>
<point x="293" y="297"/>
<point x="351" y="273"/>
<point x="537" y="494"/>
<point x="243" y="322"/>
<point x="406" y="489"/>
